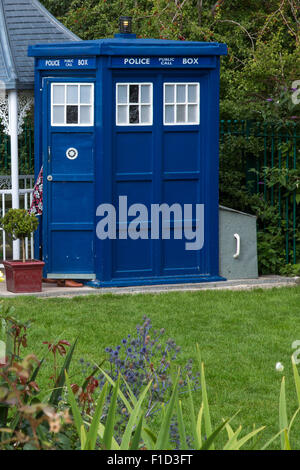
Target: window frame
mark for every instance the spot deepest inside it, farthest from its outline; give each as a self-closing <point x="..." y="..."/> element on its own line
<point x="139" y="104"/>
<point x="79" y="104"/>
<point x="186" y="104"/>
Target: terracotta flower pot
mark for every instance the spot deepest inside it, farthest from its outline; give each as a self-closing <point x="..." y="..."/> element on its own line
<point x="23" y="277"/>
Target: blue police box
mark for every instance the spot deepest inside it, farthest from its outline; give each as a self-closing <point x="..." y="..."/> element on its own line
<point x="128" y="123"/>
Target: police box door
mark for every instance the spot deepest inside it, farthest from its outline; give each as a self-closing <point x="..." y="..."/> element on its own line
<point x="161" y="156"/>
<point x="68" y="167"/>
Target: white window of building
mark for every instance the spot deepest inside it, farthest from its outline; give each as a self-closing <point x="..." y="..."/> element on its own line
<point x="72" y="104"/>
<point x="134" y="103"/>
<point x="181" y="103"/>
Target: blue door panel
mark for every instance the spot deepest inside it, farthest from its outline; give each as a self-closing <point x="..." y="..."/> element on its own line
<point x="180" y="191"/>
<point x="137" y="191"/>
<point x="73" y="251"/>
<point x="132" y="258"/>
<point x="129" y="149"/>
<point x="174" y="253"/>
<point x="185" y="262"/>
<point x="181" y="150"/>
<point x="71" y="202"/>
<point x="83" y="142"/>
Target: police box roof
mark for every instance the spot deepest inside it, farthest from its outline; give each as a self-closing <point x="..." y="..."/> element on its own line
<point x="120" y="45"/>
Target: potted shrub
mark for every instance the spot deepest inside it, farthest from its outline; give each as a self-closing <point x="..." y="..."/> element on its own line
<point x="22" y="275"/>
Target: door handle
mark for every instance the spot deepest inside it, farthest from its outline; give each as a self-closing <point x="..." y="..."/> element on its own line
<point x="238" y="245"/>
<point x="49" y="178"/>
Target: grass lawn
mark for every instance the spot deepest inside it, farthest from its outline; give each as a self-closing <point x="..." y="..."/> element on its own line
<point x="242" y="334"/>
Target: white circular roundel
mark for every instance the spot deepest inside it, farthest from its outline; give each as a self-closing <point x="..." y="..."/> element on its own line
<point x="72" y="153"/>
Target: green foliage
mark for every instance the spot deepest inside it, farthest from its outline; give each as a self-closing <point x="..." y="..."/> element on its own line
<point x="29" y="421"/>
<point x="242" y="335"/>
<point x="262" y="37"/>
<point x="20" y="224"/>
<point x="291" y="270"/>
<point x="259" y="174"/>
<point x="285" y="426"/>
<point x="204" y="437"/>
<point x="25" y="420"/>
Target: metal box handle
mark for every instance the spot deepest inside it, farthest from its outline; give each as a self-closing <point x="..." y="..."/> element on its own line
<point x="238" y="245"/>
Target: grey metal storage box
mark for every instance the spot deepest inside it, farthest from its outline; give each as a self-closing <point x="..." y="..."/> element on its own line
<point x="238" y="244"/>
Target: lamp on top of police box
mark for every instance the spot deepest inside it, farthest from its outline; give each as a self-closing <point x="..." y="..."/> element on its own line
<point x="125" y="24"/>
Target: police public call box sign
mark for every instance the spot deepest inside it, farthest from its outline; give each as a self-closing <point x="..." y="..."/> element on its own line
<point x="80" y="63"/>
<point x="163" y="62"/>
<point x="77" y="63"/>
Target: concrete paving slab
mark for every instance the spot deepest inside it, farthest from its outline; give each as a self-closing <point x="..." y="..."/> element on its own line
<point x="264" y="282"/>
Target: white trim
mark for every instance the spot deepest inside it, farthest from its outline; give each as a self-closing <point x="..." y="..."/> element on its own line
<point x="78" y="104"/>
<point x="139" y="104"/>
<point x="13" y="130"/>
<point x="186" y="103"/>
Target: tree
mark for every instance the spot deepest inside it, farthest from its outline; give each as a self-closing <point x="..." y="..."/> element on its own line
<point x="262" y="37"/>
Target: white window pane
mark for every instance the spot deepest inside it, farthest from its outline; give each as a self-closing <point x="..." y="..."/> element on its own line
<point x="169" y="93"/>
<point x="192" y="93"/>
<point x="58" y="114"/>
<point x="169" y="114"/>
<point x="145" y="94"/>
<point x="85" y="114"/>
<point x="181" y="103"/>
<point x="58" y="94"/>
<point x="180" y="113"/>
<point x="180" y="93"/>
<point x="145" y="114"/>
<point x="85" y="94"/>
<point x="122" y="94"/>
<point x="192" y="113"/>
<point x="72" y="94"/>
<point x="122" y="114"/>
